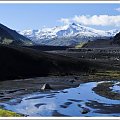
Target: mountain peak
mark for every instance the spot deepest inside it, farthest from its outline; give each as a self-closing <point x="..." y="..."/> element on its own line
<point x="66" y="35"/>
<point x="74" y="24"/>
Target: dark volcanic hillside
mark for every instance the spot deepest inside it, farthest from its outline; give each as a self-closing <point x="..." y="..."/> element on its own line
<point x="99" y="43"/>
<point x="11" y="37"/>
<point x="116" y="39"/>
<point x="20" y="62"/>
<point x="102" y="43"/>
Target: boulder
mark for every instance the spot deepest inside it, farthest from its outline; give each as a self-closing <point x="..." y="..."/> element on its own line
<point x="85" y="110"/>
<point x="46" y="87"/>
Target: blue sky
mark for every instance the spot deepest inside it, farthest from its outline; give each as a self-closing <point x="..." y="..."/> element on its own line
<point x="35" y="16"/>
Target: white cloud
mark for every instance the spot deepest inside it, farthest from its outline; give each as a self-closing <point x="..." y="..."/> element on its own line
<point x="102" y="20"/>
<point x="98" y="20"/>
<point x="117" y="9"/>
<point x="65" y="20"/>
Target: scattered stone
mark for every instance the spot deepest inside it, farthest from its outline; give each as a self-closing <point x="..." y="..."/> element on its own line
<point x="85" y="110"/>
<point x="76" y="78"/>
<point x="57" y="114"/>
<point x="46" y="87"/>
<point x="72" y="81"/>
<point x="63" y="106"/>
<point x="64" y="91"/>
<point x="38" y="105"/>
<point x="79" y="105"/>
<point x="66" y="105"/>
<point x="74" y="100"/>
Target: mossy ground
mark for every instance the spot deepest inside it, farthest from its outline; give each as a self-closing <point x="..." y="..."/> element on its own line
<point x="6" y="113"/>
<point x="103" y="89"/>
<point x="109" y="73"/>
<point x="80" y="45"/>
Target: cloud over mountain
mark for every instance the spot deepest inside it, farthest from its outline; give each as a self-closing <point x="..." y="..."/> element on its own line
<point x="98" y="20"/>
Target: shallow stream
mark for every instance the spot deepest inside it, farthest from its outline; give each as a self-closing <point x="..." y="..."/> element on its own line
<point x="79" y="101"/>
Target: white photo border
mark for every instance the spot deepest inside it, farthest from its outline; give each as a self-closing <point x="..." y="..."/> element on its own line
<point x="59" y="2"/>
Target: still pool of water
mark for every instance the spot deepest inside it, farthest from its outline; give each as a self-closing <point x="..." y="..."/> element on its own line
<point x="68" y="102"/>
<point x="116" y="87"/>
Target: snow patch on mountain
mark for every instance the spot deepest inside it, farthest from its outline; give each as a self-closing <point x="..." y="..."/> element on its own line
<point x="66" y="35"/>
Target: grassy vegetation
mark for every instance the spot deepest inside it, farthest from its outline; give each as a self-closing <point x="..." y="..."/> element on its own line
<point x="80" y="45"/>
<point x="6" y="113"/>
<point x="103" y="89"/>
<point x="102" y="76"/>
<point x="113" y="74"/>
<point x="7" y="41"/>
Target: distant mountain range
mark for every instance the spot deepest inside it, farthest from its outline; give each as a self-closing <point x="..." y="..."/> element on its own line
<point x="11" y="37"/>
<point x="68" y="35"/>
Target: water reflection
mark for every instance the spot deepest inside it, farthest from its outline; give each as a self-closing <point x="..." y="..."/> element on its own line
<point x="68" y="102"/>
<point x="116" y="87"/>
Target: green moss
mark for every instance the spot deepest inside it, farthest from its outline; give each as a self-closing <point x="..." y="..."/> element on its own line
<point x="109" y="73"/>
<point x="7" y="41"/>
<point x="80" y="45"/>
<point x="6" y="113"/>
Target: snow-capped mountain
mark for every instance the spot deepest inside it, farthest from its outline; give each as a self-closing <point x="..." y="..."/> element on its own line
<point x="66" y="35"/>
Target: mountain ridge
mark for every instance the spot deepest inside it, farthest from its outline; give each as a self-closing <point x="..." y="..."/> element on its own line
<point x="66" y="35"/>
<point x="12" y="37"/>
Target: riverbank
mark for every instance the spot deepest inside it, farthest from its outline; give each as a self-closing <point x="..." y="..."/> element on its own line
<point x="16" y="89"/>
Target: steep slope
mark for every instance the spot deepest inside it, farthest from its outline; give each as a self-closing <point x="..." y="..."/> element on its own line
<point x="68" y="35"/>
<point x="20" y="62"/>
<point x="11" y="37"/>
<point x="116" y="39"/>
<point x="102" y="43"/>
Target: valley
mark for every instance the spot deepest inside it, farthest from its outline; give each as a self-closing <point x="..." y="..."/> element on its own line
<point x="40" y="79"/>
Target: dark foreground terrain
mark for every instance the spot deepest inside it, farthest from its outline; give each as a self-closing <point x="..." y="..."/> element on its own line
<point x="75" y="79"/>
<point x="84" y="94"/>
<point x="57" y="80"/>
<point x="22" y="62"/>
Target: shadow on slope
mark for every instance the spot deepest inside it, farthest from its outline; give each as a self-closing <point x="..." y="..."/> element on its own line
<point x="21" y="62"/>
